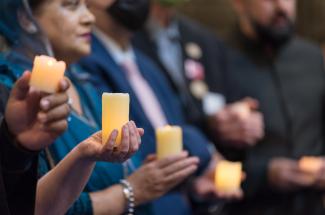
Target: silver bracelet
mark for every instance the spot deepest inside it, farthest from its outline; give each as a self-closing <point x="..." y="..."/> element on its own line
<point x="129" y="195"/>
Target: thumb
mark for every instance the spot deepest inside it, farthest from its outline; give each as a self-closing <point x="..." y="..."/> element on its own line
<point x="252" y="103"/>
<point x="21" y="87"/>
<point x="141" y="131"/>
<point x="97" y="136"/>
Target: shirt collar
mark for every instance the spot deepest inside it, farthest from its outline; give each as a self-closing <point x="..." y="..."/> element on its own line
<point x="118" y="54"/>
<point x="156" y="31"/>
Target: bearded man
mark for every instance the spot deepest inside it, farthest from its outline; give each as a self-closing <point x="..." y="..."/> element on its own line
<point x="285" y="74"/>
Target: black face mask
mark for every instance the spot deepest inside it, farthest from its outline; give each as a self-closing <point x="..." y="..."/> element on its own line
<point x="276" y="37"/>
<point x="132" y="14"/>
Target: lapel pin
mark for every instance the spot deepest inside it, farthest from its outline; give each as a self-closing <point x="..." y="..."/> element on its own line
<point x="194" y="70"/>
<point x="193" y="50"/>
<point x="198" y="89"/>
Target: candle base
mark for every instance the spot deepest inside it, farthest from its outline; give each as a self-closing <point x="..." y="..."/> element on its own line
<point x="169" y="141"/>
<point x="312" y="166"/>
<point x="115" y="114"/>
<point x="228" y="176"/>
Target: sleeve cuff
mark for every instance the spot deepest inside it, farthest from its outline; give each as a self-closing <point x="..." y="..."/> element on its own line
<point x="256" y="171"/>
<point x="82" y="206"/>
<point x="197" y="145"/>
<point x="13" y="158"/>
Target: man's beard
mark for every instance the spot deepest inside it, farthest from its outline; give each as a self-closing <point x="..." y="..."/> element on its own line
<point x="275" y="36"/>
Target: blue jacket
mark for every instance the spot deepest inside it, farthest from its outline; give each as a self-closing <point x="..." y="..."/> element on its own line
<point x="106" y="72"/>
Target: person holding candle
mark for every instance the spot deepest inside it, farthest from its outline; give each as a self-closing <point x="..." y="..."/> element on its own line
<point x="22" y="136"/>
<point x="194" y="60"/>
<point x="116" y="63"/>
<point x="66" y="25"/>
<point x="285" y="73"/>
<point x="24" y="133"/>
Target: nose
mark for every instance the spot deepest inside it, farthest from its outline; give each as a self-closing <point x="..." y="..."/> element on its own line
<point x="283" y="4"/>
<point x="87" y="18"/>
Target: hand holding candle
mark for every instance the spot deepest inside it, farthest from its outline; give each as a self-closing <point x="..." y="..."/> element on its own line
<point x="314" y="167"/>
<point x="47" y="74"/>
<point x="228" y="176"/>
<point x="311" y="166"/>
<point x="239" y="124"/>
<point x="36" y="120"/>
<point x="169" y="141"/>
<point x="115" y="114"/>
<point x="242" y="109"/>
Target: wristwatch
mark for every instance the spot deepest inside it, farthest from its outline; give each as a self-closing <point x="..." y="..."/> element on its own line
<point x="129" y="196"/>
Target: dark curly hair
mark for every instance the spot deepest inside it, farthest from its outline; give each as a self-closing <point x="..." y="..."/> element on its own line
<point x="34" y="4"/>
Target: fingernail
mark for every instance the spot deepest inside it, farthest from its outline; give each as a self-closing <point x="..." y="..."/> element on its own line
<point x="25" y="73"/>
<point x="64" y="84"/>
<point x="45" y="104"/>
<point x="129" y="124"/>
<point x="126" y="128"/>
<point x="34" y="91"/>
<point x="115" y="133"/>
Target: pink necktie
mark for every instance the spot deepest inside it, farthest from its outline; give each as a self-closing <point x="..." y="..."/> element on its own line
<point x="145" y="94"/>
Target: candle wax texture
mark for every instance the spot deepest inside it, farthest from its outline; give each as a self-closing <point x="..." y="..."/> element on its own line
<point x="228" y="176"/>
<point x="169" y="141"/>
<point x="47" y="74"/>
<point x="115" y="114"/>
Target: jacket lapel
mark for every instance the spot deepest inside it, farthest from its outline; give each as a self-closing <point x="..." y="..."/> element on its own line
<point x="115" y="77"/>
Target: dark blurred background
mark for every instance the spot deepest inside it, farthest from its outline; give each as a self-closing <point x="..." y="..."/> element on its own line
<point x="218" y="16"/>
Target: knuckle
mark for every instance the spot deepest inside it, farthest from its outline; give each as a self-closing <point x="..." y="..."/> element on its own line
<point x="158" y="176"/>
<point x="135" y="148"/>
<point x="65" y="98"/>
<point x="65" y="124"/>
<point x="124" y="152"/>
<point x="164" y="181"/>
<point x="132" y="133"/>
<point x="66" y="109"/>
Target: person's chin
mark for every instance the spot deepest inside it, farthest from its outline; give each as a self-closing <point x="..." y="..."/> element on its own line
<point x="85" y="51"/>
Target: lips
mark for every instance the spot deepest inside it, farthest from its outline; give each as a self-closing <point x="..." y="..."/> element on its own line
<point x="86" y="36"/>
<point x="280" y="19"/>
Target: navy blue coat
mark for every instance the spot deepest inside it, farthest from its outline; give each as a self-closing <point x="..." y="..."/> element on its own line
<point x="106" y="72"/>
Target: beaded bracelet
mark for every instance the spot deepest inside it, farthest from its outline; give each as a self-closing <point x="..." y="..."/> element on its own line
<point x="129" y="195"/>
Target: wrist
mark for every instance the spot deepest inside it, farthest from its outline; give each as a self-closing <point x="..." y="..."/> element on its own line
<point x="14" y="158"/>
<point x="128" y="193"/>
<point x="15" y="140"/>
<point x="82" y="153"/>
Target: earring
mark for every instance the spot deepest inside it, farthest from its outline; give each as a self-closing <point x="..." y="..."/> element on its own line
<point x="31" y="28"/>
